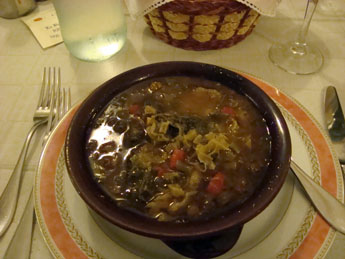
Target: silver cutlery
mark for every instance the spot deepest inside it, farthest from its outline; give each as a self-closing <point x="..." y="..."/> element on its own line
<point x="61" y="102"/>
<point x="332" y="210"/>
<point x="20" y="244"/>
<point x="335" y="123"/>
<point x="9" y="197"/>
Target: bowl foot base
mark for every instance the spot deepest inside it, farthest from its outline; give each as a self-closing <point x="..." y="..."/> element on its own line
<point x="207" y="247"/>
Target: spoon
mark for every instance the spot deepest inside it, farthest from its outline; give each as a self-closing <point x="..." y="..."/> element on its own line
<point x="335" y="122"/>
<point x="332" y="210"/>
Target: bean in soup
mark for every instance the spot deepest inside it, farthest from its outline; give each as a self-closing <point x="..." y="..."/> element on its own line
<point x="179" y="149"/>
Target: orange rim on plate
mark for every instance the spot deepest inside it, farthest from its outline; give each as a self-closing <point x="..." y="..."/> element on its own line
<point x="318" y="237"/>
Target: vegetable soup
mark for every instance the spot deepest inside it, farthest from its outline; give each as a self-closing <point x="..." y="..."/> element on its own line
<point x="179" y="149"/>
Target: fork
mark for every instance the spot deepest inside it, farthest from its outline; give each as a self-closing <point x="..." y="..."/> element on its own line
<point x="60" y="103"/>
<point x="9" y="197"/>
<point x="20" y="244"/>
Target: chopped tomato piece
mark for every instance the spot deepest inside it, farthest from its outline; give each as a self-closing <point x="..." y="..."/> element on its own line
<point x="216" y="184"/>
<point x="160" y="170"/>
<point x="134" y="109"/>
<point x="177" y="155"/>
<point x="228" y="110"/>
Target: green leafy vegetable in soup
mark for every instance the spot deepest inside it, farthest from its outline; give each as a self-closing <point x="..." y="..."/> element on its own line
<point x="179" y="149"/>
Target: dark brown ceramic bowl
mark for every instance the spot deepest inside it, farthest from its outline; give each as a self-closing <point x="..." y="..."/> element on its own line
<point x="232" y="221"/>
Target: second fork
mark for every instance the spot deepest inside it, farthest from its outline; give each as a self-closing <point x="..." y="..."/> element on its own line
<point x="20" y="244"/>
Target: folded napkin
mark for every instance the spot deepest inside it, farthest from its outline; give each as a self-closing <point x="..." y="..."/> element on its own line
<point x="138" y="8"/>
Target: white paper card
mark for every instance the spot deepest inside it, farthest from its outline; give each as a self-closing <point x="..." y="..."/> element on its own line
<point x="45" y="27"/>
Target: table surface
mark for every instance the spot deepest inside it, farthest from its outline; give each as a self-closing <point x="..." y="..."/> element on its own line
<point x="22" y="61"/>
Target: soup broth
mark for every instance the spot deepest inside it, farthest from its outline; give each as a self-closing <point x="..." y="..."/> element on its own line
<point x="179" y="149"/>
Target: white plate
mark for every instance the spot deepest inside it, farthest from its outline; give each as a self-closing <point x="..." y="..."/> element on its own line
<point x="289" y="227"/>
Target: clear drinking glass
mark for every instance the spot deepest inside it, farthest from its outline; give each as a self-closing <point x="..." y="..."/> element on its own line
<point x="93" y="30"/>
<point x="15" y="8"/>
<point x="298" y="57"/>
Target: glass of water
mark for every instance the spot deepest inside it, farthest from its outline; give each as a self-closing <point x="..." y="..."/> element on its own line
<point x="93" y="30"/>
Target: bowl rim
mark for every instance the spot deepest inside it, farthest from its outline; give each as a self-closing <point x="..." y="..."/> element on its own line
<point x="98" y="201"/>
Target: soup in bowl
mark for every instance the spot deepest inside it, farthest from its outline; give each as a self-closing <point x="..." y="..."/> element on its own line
<point x="181" y="151"/>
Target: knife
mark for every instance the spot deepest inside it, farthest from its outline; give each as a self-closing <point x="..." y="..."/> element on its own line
<point x="332" y="210"/>
<point x="335" y="122"/>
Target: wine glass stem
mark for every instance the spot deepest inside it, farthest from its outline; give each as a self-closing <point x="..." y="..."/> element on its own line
<point x="311" y="5"/>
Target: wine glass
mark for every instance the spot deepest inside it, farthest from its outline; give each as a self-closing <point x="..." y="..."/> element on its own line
<point x="298" y="57"/>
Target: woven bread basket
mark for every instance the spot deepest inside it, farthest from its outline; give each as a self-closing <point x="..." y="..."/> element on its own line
<point x="202" y="24"/>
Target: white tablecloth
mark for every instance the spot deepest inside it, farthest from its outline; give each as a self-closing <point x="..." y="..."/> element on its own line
<point x="22" y="61"/>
